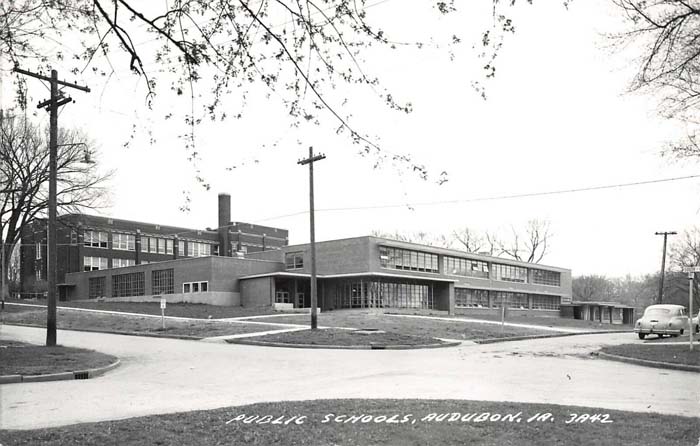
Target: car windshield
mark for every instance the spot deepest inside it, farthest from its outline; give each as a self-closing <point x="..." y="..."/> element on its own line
<point x="656" y="311"/>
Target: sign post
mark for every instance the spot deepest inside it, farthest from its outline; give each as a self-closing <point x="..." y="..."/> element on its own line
<point x="691" y="276"/>
<point x="162" y="311"/>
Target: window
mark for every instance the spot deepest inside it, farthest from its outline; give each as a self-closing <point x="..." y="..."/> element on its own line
<point x="469" y="298"/>
<point x="37" y="246"/>
<point x="282" y="297"/>
<point x="168" y="246"/>
<point x="144" y="244"/>
<point x="96" y="287"/>
<point x="199" y="249"/>
<point x="404" y="259"/>
<point x="95" y="239"/>
<point x="294" y="260"/>
<point x="466" y="267"/>
<point x="37" y="273"/>
<point x="131" y="284"/>
<point x="195" y="287"/>
<point x="510" y="273"/>
<point x="94" y="263"/>
<point x="181" y="248"/>
<point x="121" y="263"/>
<point x="542" y="302"/>
<point x="162" y="281"/>
<point x="511" y="300"/>
<point x="153" y="243"/>
<point x="543" y="277"/>
<point x="123" y="242"/>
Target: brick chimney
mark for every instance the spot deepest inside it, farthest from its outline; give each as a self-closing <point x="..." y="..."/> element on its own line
<point x="224" y="221"/>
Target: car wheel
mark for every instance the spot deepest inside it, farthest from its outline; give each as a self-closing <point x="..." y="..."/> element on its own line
<point x="641" y="336"/>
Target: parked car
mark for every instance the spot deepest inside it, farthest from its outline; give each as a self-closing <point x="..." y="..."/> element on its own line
<point x="663" y="319"/>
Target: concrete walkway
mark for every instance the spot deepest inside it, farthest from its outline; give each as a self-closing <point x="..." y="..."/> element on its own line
<point x="167" y="375"/>
<point x="482" y="321"/>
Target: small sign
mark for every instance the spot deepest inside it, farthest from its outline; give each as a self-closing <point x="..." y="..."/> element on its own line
<point x="162" y="304"/>
<point x="691" y="269"/>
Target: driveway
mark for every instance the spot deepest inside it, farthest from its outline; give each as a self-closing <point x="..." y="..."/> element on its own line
<point x="166" y="375"/>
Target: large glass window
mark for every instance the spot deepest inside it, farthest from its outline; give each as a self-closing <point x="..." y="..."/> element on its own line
<point x="511" y="300"/>
<point x="162" y="281"/>
<point x="199" y="249"/>
<point x="294" y="260"/>
<point x="123" y="242"/>
<point x="96" y="287"/>
<point x="470" y="298"/>
<point x="153" y="243"/>
<point x="181" y="248"/>
<point x="466" y="267"/>
<point x="144" y="244"/>
<point x="131" y="284"/>
<point x="95" y="239"/>
<point x="94" y="263"/>
<point x="510" y="273"/>
<point x="121" y="263"/>
<point x="168" y="246"/>
<point x="405" y="259"/>
<point x="544" y="277"/>
<point x="542" y="302"/>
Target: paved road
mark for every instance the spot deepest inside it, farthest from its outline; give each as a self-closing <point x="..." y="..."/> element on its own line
<point x="167" y="375"/>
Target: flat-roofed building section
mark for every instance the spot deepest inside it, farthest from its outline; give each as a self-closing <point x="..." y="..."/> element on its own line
<point x="372" y="272"/>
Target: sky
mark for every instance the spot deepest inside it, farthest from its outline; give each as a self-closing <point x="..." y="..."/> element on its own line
<point x="557" y="117"/>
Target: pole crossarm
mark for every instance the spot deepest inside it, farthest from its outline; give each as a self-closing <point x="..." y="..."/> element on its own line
<point x="48" y="79"/>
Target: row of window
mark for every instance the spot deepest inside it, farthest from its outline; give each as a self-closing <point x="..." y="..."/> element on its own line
<point x="133" y="284"/>
<point x="156" y="245"/>
<point x="98" y="263"/>
<point x="473" y="298"/>
<point x="396" y="258"/>
<point x="405" y="259"/>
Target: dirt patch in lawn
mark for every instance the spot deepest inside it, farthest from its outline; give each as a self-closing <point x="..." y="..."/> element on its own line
<point x="412" y="326"/>
<point x="198" y="311"/>
<point x="675" y="354"/>
<point x="116" y="323"/>
<point x="18" y="358"/>
<point x="379" y="422"/>
<point x="346" y="338"/>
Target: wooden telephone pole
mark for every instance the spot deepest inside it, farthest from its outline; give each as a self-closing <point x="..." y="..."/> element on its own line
<point x="310" y="161"/>
<point x="57" y="100"/>
<point x="663" y="264"/>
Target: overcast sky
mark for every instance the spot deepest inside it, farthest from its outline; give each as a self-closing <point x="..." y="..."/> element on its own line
<point x="557" y="117"/>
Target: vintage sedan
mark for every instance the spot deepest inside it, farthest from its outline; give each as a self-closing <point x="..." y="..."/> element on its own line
<point x="662" y="320"/>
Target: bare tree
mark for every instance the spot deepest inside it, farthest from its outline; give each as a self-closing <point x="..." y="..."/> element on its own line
<point x="24" y="174"/>
<point x="530" y="245"/>
<point x="420" y="237"/>
<point x="669" y="64"/>
<point x="685" y="249"/>
<point x="471" y="241"/>
<point x="300" y="51"/>
<point x="592" y="288"/>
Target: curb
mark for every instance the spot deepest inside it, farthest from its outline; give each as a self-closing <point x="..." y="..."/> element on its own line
<point x="117" y="332"/>
<point x="557" y="335"/>
<point x="244" y="341"/>
<point x="63" y="376"/>
<point x="649" y="363"/>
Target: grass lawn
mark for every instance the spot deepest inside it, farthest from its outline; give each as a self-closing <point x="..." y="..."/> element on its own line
<point x="677" y="354"/>
<point x="550" y="321"/>
<point x="429" y="328"/>
<point x="68" y="319"/>
<point x="334" y="336"/>
<point x="18" y="358"/>
<point x="327" y="422"/>
<point x="200" y="311"/>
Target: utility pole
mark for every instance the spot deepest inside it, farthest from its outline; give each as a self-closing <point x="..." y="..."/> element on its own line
<point x="663" y="264"/>
<point x="310" y="161"/>
<point x="57" y="100"/>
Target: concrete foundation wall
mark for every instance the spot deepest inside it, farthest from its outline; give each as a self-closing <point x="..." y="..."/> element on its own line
<point x="509" y="311"/>
<point x="210" y="298"/>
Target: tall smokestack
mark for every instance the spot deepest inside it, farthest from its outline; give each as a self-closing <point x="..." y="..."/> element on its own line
<point x="224" y="221"/>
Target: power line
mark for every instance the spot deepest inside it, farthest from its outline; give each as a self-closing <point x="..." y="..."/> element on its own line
<point x="491" y="198"/>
